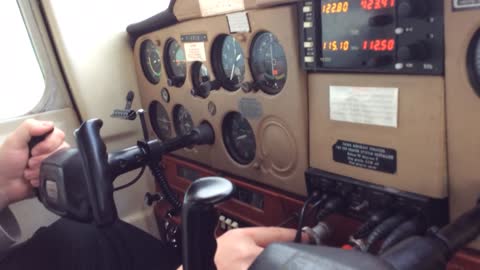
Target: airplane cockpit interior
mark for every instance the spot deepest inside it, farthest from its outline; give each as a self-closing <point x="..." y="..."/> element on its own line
<point x="352" y="122"/>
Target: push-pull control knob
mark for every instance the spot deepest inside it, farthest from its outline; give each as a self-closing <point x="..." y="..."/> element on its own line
<point x="412" y="8"/>
<point x="415" y="51"/>
<point x="199" y="220"/>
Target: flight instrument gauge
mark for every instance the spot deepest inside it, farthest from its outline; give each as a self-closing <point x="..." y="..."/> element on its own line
<point x="228" y="62"/>
<point x="160" y="120"/>
<point x="473" y="62"/>
<point x="175" y="63"/>
<point x="268" y="63"/>
<point x="239" y="138"/>
<point x="150" y="61"/>
<point x="182" y="121"/>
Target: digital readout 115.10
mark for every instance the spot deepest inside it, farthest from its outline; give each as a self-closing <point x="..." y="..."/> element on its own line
<point x="335" y="45"/>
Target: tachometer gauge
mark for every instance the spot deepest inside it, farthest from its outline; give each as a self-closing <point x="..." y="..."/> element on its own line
<point x="150" y="61"/>
<point x="160" y="120"/>
<point x="473" y="62"/>
<point x="268" y="63"/>
<point x="182" y="121"/>
<point x="175" y="63"/>
<point x="239" y="138"/>
<point x="228" y="62"/>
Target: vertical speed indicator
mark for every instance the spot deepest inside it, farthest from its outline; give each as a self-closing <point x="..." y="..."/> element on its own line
<point x="268" y="63"/>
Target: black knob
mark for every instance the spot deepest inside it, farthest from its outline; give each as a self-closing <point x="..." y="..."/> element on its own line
<point x="415" y="51"/>
<point x="199" y="220"/>
<point x="151" y="198"/>
<point x="412" y="8"/>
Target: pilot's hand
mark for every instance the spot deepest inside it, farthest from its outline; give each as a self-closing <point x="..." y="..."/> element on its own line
<point x="237" y="249"/>
<point x="18" y="173"/>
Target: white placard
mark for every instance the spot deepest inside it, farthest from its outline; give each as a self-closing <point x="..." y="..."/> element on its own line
<point x="238" y="22"/>
<point x="364" y="105"/>
<point x="195" y="51"/>
<point x="214" y="7"/>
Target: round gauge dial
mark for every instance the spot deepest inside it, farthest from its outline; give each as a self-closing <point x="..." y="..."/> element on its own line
<point x="473" y="62"/>
<point x="182" y="121"/>
<point x="151" y="61"/>
<point x="200" y="74"/>
<point x="228" y="62"/>
<point x="239" y="138"/>
<point x="268" y="63"/>
<point x="175" y="63"/>
<point x="160" y="120"/>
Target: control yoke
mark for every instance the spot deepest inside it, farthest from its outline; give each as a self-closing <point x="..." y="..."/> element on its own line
<point x="78" y="183"/>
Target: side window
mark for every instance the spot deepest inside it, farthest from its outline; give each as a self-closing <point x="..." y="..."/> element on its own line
<point x="22" y="81"/>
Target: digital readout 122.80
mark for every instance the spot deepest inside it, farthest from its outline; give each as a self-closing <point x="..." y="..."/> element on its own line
<point x="343" y="6"/>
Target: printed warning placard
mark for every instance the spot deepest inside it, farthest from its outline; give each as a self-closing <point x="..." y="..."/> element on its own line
<point x="364" y="105"/>
<point x="195" y="51"/>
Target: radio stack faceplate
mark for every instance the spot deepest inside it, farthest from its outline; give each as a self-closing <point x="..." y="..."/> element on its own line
<point x="373" y="36"/>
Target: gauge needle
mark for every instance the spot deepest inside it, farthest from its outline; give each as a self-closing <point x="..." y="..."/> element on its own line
<point x="242" y="137"/>
<point x="271" y="54"/>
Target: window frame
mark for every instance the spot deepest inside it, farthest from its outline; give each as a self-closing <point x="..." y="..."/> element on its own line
<point x="56" y="94"/>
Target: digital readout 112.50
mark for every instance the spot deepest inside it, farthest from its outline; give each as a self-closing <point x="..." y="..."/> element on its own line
<point x="336" y="45"/>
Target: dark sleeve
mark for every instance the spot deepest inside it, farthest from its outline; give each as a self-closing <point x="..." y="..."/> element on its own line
<point x="9" y="230"/>
<point x="70" y="245"/>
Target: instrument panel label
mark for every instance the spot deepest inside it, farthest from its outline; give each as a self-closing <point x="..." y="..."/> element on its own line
<point x="215" y="7"/>
<point x="195" y="51"/>
<point x="365" y="156"/>
<point x="364" y="105"/>
<point x="238" y="22"/>
<point x="465" y="4"/>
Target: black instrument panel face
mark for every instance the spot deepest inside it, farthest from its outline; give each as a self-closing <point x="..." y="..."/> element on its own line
<point x="160" y="121"/>
<point x="239" y="138"/>
<point x="175" y="63"/>
<point x="268" y="63"/>
<point x="228" y="62"/>
<point x="182" y="120"/>
<point x="473" y="62"/>
<point x="151" y="61"/>
<point x="386" y="36"/>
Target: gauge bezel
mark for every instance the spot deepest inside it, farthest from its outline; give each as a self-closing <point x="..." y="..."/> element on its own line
<point x="217" y="51"/>
<point x="195" y="72"/>
<point x="168" y="65"/>
<point x="228" y="143"/>
<point x="266" y="89"/>
<point x="175" y="119"/>
<point x="152" y="112"/>
<point x="472" y="69"/>
<point x="146" y="70"/>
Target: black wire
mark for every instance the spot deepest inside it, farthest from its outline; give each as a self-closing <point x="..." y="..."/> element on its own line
<point x="135" y="180"/>
<point x="298" y="236"/>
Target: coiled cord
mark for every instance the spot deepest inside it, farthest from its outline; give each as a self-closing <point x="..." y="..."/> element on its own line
<point x="382" y="230"/>
<point x="406" y="229"/>
<point x="160" y="178"/>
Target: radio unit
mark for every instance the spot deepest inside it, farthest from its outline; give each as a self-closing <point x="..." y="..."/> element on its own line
<point x="384" y="36"/>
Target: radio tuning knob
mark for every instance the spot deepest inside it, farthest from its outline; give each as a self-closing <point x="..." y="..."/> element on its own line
<point x="412" y="8"/>
<point x="415" y="51"/>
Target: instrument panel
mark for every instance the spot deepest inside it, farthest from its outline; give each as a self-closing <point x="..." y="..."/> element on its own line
<point x="248" y="86"/>
<point x="273" y="117"/>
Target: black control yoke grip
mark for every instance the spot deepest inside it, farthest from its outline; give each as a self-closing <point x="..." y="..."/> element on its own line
<point x="199" y="220"/>
<point x="99" y="179"/>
